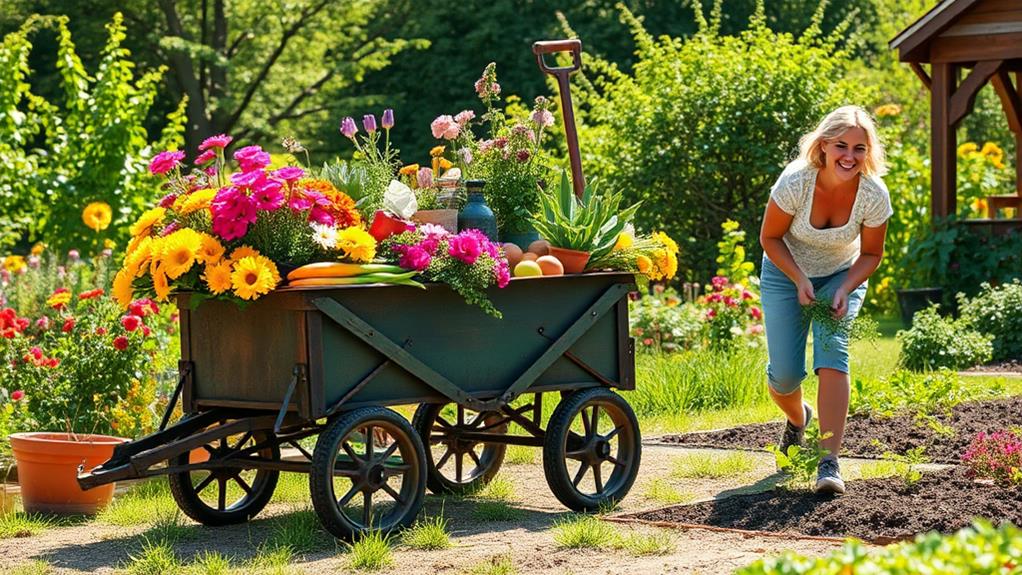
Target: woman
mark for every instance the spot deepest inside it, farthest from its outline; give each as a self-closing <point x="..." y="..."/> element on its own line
<point x="822" y="237"/>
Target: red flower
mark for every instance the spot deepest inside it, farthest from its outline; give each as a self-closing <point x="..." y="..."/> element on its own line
<point x="755" y="313"/>
<point x="121" y="343"/>
<point x="36" y="352"/>
<point x="711" y="313"/>
<point x="91" y="294"/>
<point x="100" y="330"/>
<point x="131" y="322"/>
<point x="53" y="362"/>
<point x="143" y="307"/>
<point x="17" y="395"/>
<point x="146" y="331"/>
<point x="69" y="324"/>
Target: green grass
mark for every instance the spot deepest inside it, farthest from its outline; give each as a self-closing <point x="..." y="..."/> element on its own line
<point x="520" y="455"/>
<point x="210" y="563"/>
<point x="33" y="568"/>
<point x="292" y="488"/>
<point x="661" y="490"/>
<point x="23" y="525"/>
<point x="428" y="534"/>
<point x="712" y="466"/>
<point x="499" y="565"/>
<point x="877" y="470"/>
<point x="144" y="503"/>
<point x="272" y="560"/>
<point x="300" y="531"/>
<point x="584" y="532"/>
<point x="155" y="558"/>
<point x="658" y="542"/>
<point x="370" y="552"/>
<point x="493" y="502"/>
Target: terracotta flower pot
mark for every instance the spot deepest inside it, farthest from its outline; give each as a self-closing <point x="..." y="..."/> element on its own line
<point x="48" y="471"/>
<point x="574" y="261"/>
<point x="447" y="219"/>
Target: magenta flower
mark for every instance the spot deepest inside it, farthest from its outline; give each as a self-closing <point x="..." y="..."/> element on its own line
<point x="220" y="141"/>
<point x="320" y="216"/>
<point x="369" y="123"/>
<point x="207" y="156"/>
<point x="522" y="156"/>
<point x="414" y="258"/>
<point x="268" y="198"/>
<point x="43" y="323"/>
<point x="542" y="118"/>
<point x="304" y="200"/>
<point x="464" y="117"/>
<point x="465" y="248"/>
<point x="348" y="127"/>
<point x="251" y="158"/>
<point x="388" y="119"/>
<point x="503" y="273"/>
<point x="169" y="229"/>
<point x="719" y="283"/>
<point x="73" y="256"/>
<point x="249" y="179"/>
<point x="289" y="173"/>
<point x="445" y="127"/>
<point x="165" y="162"/>
<point x="424" y="178"/>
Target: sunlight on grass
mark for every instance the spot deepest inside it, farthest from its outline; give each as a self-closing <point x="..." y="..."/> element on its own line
<point x="876" y="470"/>
<point x="210" y="563"/>
<point x="33" y="568"/>
<point x="499" y="565"/>
<point x="370" y="552"/>
<point x="143" y="504"/>
<point x="23" y="525"/>
<point x="658" y="542"/>
<point x="292" y="488"/>
<point x="427" y="534"/>
<point x="661" y="490"/>
<point x="493" y="501"/>
<point x="520" y="455"/>
<point x="584" y="532"/>
<point x="299" y="531"/>
<point x="155" y="558"/>
<point x="712" y="465"/>
<point x="272" y="559"/>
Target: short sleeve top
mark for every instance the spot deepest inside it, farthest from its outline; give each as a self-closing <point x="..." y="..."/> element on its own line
<point x="823" y="252"/>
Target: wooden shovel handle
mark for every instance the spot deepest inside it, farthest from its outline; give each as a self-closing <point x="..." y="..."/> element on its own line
<point x="573" y="45"/>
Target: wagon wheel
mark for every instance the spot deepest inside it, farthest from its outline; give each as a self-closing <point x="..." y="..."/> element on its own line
<point x="367" y="473"/>
<point x="592" y="449"/>
<point x="226" y="495"/>
<point x="447" y="452"/>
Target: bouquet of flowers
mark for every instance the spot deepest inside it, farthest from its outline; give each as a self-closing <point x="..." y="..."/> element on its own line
<point x="652" y="257"/>
<point x="220" y="233"/>
<point x="468" y="261"/>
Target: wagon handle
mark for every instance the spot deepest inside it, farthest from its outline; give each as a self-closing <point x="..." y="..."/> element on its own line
<point x="573" y="45"/>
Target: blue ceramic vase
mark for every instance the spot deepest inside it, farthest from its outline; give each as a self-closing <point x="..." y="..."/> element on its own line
<point x="476" y="214"/>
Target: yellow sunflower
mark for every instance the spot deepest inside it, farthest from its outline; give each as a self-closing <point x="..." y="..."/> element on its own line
<point x="252" y="277"/>
<point x="38" y="248"/>
<point x="160" y="284"/>
<point x="218" y="277"/>
<point x="122" y="290"/>
<point x="645" y="264"/>
<point x="409" y="170"/>
<point x="139" y="257"/>
<point x="210" y="249"/>
<point x="179" y="251"/>
<point x="624" y="241"/>
<point x="144" y="225"/>
<point x="14" y="264"/>
<point x="356" y="244"/>
<point x="194" y="201"/>
<point x="242" y="252"/>
<point x="97" y="216"/>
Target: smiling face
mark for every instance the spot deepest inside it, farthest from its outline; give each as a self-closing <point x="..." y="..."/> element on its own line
<point x="844" y="155"/>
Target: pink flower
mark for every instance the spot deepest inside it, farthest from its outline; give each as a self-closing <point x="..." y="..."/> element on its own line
<point x="121" y="343"/>
<point x="730" y="301"/>
<point x="522" y="156"/>
<point x="167" y="201"/>
<point x="251" y="158"/>
<point x="647" y="341"/>
<point x="464" y="117"/>
<point x="69" y="324"/>
<point x="100" y="330"/>
<point x="36" y="352"/>
<point x="503" y="272"/>
<point x="72" y="256"/>
<point x="719" y="283"/>
<point x="543" y="118"/>
<point x="465" y="248"/>
<point x="131" y="322"/>
<point x="746" y="294"/>
<point x="248" y="179"/>
<point x="219" y="141"/>
<point x="165" y="161"/>
<point x="17" y="395"/>
<point x="43" y="323"/>
<point x="143" y="307"/>
<point x="756" y="313"/>
<point x="207" y="156"/>
<point x="268" y="198"/>
<point x="169" y="229"/>
<point x="710" y="314"/>
<point x="320" y="216"/>
<point x="424" y="178"/>
<point x="304" y="200"/>
<point x="289" y="173"/>
<point x="414" y="258"/>
<point x="445" y="127"/>
<point x="348" y="127"/>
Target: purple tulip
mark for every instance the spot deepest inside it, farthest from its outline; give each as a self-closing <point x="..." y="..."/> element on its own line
<point x="348" y="127"/>
<point x="369" y="123"/>
<point x="388" y="119"/>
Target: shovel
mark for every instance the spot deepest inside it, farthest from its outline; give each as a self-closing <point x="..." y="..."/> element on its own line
<point x="561" y="73"/>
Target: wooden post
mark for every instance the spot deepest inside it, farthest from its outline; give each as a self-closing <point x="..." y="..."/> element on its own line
<point x="943" y="146"/>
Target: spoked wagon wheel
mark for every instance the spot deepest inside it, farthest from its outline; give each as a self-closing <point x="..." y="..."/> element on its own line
<point x="226" y="495"/>
<point x="592" y="449"/>
<point x="455" y="464"/>
<point x="367" y="473"/>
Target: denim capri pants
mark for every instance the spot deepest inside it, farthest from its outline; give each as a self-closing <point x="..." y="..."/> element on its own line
<point x="787" y="329"/>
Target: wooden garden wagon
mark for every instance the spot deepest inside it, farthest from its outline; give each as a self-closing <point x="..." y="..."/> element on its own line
<point x="256" y="385"/>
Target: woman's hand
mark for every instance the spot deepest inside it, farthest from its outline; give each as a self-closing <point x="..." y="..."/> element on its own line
<point x="840" y="305"/>
<point x="806" y="293"/>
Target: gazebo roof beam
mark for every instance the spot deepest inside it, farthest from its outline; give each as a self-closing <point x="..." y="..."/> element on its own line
<point x="911" y="39"/>
<point x="1009" y="100"/>
<point x="965" y="96"/>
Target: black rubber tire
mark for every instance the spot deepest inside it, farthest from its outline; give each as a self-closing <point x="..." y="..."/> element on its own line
<point x="324" y="466"/>
<point x="191" y="503"/>
<point x="563" y="483"/>
<point x="490" y="459"/>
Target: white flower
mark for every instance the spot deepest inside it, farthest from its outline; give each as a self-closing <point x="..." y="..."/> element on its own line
<point x="399" y="200"/>
<point x="325" y="236"/>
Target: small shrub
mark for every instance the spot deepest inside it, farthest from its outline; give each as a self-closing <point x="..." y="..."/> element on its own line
<point x="584" y="532"/>
<point x="923" y="393"/>
<point x="996" y="456"/>
<point x="713" y="466"/>
<point x="906" y="464"/>
<point x="934" y="342"/>
<point x="370" y="552"/>
<point x="997" y="312"/>
<point x="428" y="534"/>
<point x="801" y="461"/>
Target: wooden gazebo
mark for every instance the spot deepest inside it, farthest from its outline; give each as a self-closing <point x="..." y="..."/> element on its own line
<point x="967" y="43"/>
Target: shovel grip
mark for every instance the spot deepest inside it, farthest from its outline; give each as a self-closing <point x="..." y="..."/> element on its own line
<point x="573" y="45"/>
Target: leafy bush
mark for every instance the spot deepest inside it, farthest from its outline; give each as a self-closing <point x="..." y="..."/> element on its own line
<point x="801" y="461"/>
<point x="676" y="131"/>
<point x="996" y="456"/>
<point x="904" y="390"/>
<point x="997" y="312"/>
<point x="978" y="550"/>
<point x="661" y="322"/>
<point x="56" y="158"/>
<point x="934" y="342"/>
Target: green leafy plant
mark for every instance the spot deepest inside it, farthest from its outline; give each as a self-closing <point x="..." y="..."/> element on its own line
<point x="905" y="390"/>
<point x="731" y="257"/>
<point x="590" y="224"/>
<point x="347" y="177"/>
<point x="660" y="322"/>
<point x="427" y="534"/>
<point x="907" y="464"/>
<point x="801" y="461"/>
<point x="584" y="532"/>
<point x="997" y="312"/>
<point x="936" y="342"/>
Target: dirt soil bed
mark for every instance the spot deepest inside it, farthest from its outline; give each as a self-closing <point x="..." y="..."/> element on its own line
<point x="896" y="434"/>
<point x="876" y="510"/>
<point x="1008" y="366"/>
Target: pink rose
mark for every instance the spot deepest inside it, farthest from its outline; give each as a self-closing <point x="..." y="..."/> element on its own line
<point x="445" y="127"/>
<point x="219" y="141"/>
<point x="165" y="162"/>
<point x="464" y="247"/>
<point x="414" y="258"/>
<point x="464" y="117"/>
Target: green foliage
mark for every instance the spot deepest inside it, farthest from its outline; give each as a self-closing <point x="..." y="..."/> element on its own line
<point x="591" y="223"/>
<point x="428" y="534"/>
<point x="584" y="532"/>
<point x="930" y="392"/>
<point x="707" y="466"/>
<point x="907" y="464"/>
<point x="155" y="558"/>
<point x="935" y="342"/>
<point x="977" y="550"/>
<point x="23" y="525"/>
<point x="499" y="565"/>
<point x="34" y="568"/>
<point x="702" y="127"/>
<point x="997" y="311"/>
<point x="144" y="504"/>
<point x="370" y="551"/>
<point x="660" y="490"/>
<point x="348" y="177"/>
<point x="731" y="254"/>
<point x="647" y="544"/>
<point x="801" y="461"/>
<point x="56" y="157"/>
<point x="660" y="322"/>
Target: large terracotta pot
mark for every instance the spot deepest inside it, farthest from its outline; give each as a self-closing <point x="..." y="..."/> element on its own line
<point x="48" y="471"/>
<point x="574" y="261"/>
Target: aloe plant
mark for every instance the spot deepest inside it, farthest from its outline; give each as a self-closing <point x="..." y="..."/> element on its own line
<point x="348" y="178"/>
<point x="590" y="224"/>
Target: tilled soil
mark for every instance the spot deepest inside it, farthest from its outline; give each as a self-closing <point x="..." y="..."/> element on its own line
<point x="876" y="510"/>
<point x="1008" y="366"/>
<point x="871" y="436"/>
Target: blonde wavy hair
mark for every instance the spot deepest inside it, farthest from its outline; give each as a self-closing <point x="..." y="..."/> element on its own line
<point x="833" y="125"/>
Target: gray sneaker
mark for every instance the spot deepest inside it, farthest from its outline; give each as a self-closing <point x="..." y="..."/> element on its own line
<point x="828" y="477"/>
<point x="793" y="435"/>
